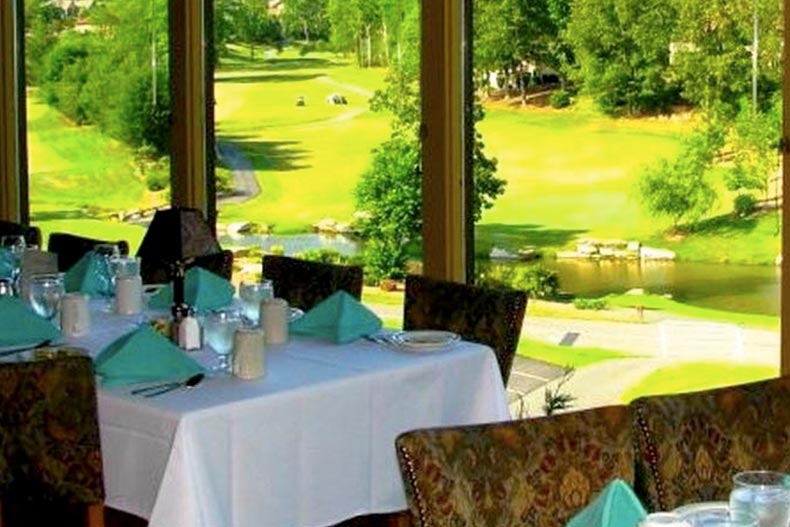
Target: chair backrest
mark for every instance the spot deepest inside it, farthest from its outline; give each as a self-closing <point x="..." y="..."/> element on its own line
<point x="489" y="316"/>
<point x="49" y="432"/>
<point x="32" y="234"/>
<point x="690" y="445"/>
<point x="531" y="472"/>
<point x="304" y="284"/>
<point x="71" y="247"/>
<point x="158" y="272"/>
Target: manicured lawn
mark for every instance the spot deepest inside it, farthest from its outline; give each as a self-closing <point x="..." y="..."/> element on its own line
<point x="697" y="376"/>
<point x="668" y="305"/>
<point x="565" y="355"/>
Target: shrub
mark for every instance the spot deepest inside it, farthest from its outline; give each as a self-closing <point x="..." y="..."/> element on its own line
<point x="595" y="304"/>
<point x="560" y="99"/>
<point x="157" y="179"/>
<point x="384" y="259"/>
<point x="744" y="205"/>
<point x="536" y="280"/>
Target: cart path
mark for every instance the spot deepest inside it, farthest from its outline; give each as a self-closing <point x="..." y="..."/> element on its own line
<point x="245" y="182"/>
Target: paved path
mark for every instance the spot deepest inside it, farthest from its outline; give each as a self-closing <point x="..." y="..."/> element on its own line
<point x="245" y="183"/>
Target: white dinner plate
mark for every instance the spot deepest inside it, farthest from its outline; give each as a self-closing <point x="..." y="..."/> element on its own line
<point x="424" y="340"/>
<point x="698" y="514"/>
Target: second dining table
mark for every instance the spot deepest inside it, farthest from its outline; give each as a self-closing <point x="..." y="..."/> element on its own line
<point x="309" y="444"/>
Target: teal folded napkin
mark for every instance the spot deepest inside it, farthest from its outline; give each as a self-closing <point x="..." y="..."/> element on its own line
<point x="615" y="506"/>
<point x="203" y="290"/>
<point x="340" y="318"/>
<point x="143" y="356"/>
<point x="19" y="325"/>
<point x="90" y="275"/>
<point x="8" y="263"/>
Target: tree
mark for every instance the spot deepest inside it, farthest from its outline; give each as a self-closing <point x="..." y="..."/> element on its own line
<point x="679" y="188"/>
<point x="255" y="25"/>
<point x="306" y="18"/>
<point x="390" y="190"/>
<point x="344" y="21"/>
<point x="43" y="22"/>
<point x="713" y="43"/>
<point x="622" y="51"/>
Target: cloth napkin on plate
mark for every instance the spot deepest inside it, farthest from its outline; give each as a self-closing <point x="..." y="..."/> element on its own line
<point x="8" y="263"/>
<point x="340" y="318"/>
<point x="89" y="275"/>
<point x="203" y="290"/>
<point x="615" y="506"/>
<point x="19" y="325"/>
<point x="143" y="356"/>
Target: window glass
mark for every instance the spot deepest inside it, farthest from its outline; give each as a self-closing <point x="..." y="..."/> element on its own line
<point x="638" y="141"/>
<point x="98" y="115"/>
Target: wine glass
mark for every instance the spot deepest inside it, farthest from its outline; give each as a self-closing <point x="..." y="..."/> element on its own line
<point x="251" y="294"/>
<point x="107" y="252"/>
<point x="45" y="294"/>
<point x="218" y="328"/>
<point x="763" y="493"/>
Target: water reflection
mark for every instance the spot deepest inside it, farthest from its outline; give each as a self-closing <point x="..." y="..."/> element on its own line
<point x="295" y="243"/>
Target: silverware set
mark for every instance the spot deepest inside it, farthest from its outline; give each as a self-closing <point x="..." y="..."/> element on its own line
<point x="162" y="388"/>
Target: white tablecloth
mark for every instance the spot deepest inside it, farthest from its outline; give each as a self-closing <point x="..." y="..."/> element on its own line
<point x="310" y="444"/>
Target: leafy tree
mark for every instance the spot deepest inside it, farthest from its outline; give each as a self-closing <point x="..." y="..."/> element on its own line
<point x="306" y="18"/>
<point x="43" y="22"/>
<point x="255" y="26"/>
<point x="678" y="188"/>
<point x="712" y="57"/>
<point x="755" y="143"/>
<point x="391" y="189"/>
<point x="344" y="20"/>
<point x="622" y="50"/>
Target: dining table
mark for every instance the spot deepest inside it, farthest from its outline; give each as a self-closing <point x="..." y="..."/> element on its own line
<point x="309" y="444"/>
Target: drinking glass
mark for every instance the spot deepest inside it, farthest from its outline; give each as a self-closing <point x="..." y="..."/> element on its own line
<point x="107" y="252"/>
<point x="664" y="519"/>
<point x="122" y="266"/>
<point x="45" y="293"/>
<point x="15" y="244"/>
<point x="763" y="493"/>
<point x="218" y="330"/>
<point x="251" y="294"/>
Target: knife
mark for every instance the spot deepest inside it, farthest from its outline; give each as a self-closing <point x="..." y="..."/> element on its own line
<point x="189" y="383"/>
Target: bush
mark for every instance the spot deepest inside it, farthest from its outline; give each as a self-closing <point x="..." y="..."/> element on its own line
<point x="594" y="304"/>
<point x="536" y="280"/>
<point x="560" y="99"/>
<point x="744" y="205"/>
<point x="384" y="259"/>
<point x="158" y="178"/>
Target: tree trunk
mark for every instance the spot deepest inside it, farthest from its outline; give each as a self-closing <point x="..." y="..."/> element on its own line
<point x="400" y="52"/>
<point x="306" y="31"/>
<point x="386" y="39"/>
<point x="369" y="46"/>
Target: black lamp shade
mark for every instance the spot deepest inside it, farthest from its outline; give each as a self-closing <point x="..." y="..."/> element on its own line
<point x="176" y="235"/>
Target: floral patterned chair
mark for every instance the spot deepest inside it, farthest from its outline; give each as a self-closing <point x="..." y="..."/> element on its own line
<point x="70" y="248"/>
<point x="50" y="456"/>
<point x="304" y="284"/>
<point x="32" y="234"/>
<point x="158" y="272"/>
<point x="488" y="316"/>
<point x="690" y="445"/>
<point x="533" y="473"/>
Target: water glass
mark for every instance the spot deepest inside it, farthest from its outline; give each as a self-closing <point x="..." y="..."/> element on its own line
<point x="218" y="330"/>
<point x="251" y="295"/>
<point x="664" y="519"/>
<point x="764" y="494"/>
<point x="45" y="294"/>
<point x="123" y="266"/>
<point x="107" y="252"/>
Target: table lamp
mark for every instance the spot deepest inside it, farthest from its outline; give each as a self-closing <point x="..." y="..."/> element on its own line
<point x="175" y="238"/>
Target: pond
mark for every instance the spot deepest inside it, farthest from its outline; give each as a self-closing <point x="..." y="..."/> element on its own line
<point x="744" y="288"/>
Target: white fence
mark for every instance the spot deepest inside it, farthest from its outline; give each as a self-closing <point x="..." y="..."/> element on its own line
<point x="704" y="340"/>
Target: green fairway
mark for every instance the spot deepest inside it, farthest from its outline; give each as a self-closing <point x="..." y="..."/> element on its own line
<point x="697" y="376"/>
<point x="565" y="355"/>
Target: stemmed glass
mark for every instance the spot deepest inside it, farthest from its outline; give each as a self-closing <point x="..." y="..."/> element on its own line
<point x="764" y="494"/>
<point x="107" y="252"/>
<point x="45" y="294"/>
<point x="251" y="294"/>
<point x="15" y="244"/>
<point x="218" y="328"/>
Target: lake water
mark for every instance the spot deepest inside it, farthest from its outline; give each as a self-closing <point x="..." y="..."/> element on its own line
<point x="744" y="288"/>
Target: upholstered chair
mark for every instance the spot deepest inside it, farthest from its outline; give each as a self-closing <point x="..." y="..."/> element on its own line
<point x="690" y="445"/>
<point x="158" y="272"/>
<point x="50" y="456"/>
<point x="304" y="284"/>
<point x="489" y="316"/>
<point x="32" y="234"/>
<point x="534" y="472"/>
<point x="70" y="247"/>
